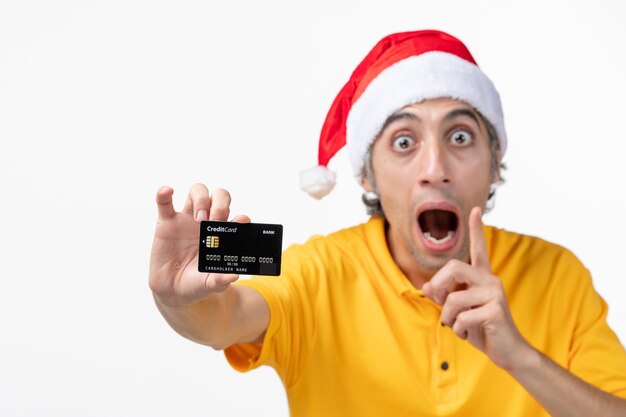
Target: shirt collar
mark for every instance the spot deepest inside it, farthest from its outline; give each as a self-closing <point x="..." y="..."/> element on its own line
<point x="377" y="241"/>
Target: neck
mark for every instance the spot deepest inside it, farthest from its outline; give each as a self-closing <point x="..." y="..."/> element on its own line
<point x="413" y="270"/>
<point x="416" y="275"/>
<point x="417" y="267"/>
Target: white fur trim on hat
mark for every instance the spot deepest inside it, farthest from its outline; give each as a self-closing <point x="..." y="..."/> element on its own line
<point x="317" y="181"/>
<point x="412" y="80"/>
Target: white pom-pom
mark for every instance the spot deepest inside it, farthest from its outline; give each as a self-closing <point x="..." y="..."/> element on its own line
<point x="317" y="181"/>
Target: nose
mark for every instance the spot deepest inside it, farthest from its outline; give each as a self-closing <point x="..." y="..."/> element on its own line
<point x="433" y="164"/>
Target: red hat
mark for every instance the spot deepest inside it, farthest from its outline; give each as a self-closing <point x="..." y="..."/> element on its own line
<point x="402" y="69"/>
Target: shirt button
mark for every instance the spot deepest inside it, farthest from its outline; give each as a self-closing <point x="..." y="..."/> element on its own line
<point x="444" y="366"/>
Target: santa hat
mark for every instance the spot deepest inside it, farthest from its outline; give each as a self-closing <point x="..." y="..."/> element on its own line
<point x="402" y="69"/>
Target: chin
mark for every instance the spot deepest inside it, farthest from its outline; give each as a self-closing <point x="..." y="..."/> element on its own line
<point x="434" y="262"/>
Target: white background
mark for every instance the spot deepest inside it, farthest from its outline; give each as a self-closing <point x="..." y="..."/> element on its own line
<point x="101" y="102"/>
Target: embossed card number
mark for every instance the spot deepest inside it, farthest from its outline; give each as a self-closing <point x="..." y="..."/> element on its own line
<point x="240" y="248"/>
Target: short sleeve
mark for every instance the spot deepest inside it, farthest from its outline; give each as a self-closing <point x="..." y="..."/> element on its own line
<point x="596" y="354"/>
<point x="291" y="298"/>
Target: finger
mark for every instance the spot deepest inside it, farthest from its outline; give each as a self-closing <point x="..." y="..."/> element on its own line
<point x="220" y="205"/>
<point x="461" y="301"/>
<point x="242" y="218"/>
<point x="470" y="319"/>
<point x="198" y="202"/>
<point x="164" y="203"/>
<point x="479" y="257"/>
<point x="428" y="290"/>
<point x="188" y="207"/>
<point x="449" y="278"/>
<point x="219" y="282"/>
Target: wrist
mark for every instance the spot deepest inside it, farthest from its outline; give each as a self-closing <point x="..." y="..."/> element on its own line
<point x="527" y="360"/>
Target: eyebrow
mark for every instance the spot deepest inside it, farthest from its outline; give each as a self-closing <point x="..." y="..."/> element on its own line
<point x="410" y="116"/>
<point x="462" y="112"/>
<point x="398" y="116"/>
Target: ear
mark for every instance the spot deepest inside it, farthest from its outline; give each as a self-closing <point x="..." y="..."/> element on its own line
<point x="366" y="184"/>
<point x="497" y="176"/>
<point x="499" y="155"/>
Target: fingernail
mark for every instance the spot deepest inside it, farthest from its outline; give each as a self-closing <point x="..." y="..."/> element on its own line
<point x="201" y="215"/>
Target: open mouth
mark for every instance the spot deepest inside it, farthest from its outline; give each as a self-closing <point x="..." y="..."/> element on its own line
<point x="438" y="226"/>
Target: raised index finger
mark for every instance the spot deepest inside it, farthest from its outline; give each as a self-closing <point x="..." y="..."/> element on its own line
<point x="479" y="257"/>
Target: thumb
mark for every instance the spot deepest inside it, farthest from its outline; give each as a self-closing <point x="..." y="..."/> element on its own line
<point x="219" y="282"/>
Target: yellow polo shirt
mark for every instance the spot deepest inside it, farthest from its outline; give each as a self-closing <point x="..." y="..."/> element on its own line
<point x="350" y="336"/>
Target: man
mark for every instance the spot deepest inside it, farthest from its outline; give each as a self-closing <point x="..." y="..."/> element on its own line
<point x="422" y="310"/>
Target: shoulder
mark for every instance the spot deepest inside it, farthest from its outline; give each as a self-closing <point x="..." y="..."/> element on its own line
<point x="531" y="265"/>
<point x="345" y="240"/>
<point x="344" y="252"/>
<point x="505" y="246"/>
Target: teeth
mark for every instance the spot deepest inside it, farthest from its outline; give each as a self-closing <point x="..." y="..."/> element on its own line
<point x="443" y="240"/>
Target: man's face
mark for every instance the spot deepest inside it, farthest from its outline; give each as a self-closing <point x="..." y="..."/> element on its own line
<point x="431" y="164"/>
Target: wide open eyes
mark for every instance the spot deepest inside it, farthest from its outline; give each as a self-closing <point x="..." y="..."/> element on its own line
<point x="461" y="138"/>
<point x="402" y="143"/>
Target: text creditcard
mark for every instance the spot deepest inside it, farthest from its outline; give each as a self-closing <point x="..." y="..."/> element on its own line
<point x="240" y="248"/>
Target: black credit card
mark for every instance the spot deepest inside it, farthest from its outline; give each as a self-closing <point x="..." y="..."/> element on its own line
<point x="240" y="248"/>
